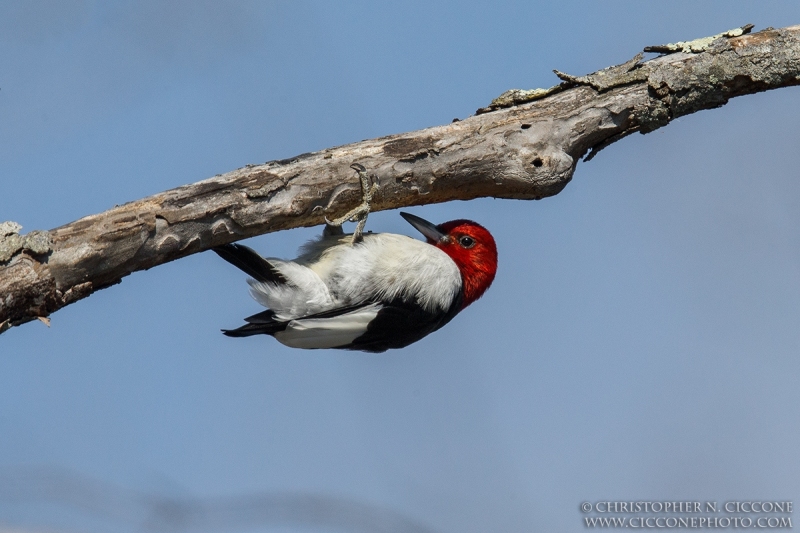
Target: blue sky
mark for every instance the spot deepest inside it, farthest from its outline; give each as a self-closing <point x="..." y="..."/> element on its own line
<point x="640" y="340"/>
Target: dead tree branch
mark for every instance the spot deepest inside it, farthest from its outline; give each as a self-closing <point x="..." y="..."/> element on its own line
<point x="525" y="146"/>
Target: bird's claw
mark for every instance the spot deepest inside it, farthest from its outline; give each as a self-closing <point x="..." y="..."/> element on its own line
<point x="359" y="213"/>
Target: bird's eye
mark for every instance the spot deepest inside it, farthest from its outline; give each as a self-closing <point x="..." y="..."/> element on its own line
<point x="466" y="242"/>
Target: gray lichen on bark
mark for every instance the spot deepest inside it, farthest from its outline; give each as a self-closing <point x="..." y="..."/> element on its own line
<point x="11" y="242"/>
<point x="629" y="72"/>
<point x="526" y="150"/>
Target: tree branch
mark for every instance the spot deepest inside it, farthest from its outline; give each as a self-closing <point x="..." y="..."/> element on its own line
<point x="525" y="146"/>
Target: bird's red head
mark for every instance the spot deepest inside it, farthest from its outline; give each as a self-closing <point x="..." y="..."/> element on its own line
<point x="469" y="245"/>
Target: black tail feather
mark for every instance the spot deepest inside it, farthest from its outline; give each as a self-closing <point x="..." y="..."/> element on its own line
<point x="255" y="329"/>
<point x="250" y="262"/>
<point x="264" y="317"/>
<point x="263" y="323"/>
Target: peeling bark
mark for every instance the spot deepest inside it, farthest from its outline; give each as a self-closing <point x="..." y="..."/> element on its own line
<point x="525" y="145"/>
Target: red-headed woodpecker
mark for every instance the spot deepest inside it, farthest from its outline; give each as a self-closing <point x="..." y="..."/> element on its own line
<point x="379" y="292"/>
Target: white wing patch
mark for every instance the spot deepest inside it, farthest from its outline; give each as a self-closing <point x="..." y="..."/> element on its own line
<point x="331" y="332"/>
<point x="305" y="294"/>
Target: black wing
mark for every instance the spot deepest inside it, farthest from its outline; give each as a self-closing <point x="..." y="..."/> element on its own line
<point x="399" y="324"/>
<point x="263" y="323"/>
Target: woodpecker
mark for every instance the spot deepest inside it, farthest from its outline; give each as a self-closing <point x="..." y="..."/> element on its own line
<point x="369" y="292"/>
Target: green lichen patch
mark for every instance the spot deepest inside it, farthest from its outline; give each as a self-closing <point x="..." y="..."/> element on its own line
<point x="698" y="45"/>
<point x="514" y="97"/>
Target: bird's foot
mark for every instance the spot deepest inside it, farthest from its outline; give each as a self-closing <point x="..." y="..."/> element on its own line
<point x="331" y="231"/>
<point x="359" y="213"/>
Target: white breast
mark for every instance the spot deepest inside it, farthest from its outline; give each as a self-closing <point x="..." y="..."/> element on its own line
<point x="386" y="266"/>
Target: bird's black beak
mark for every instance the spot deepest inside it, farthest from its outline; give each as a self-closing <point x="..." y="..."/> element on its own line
<point x="424" y="227"/>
